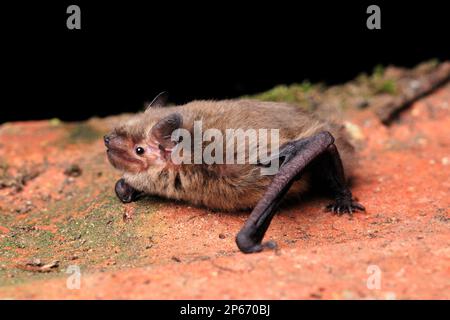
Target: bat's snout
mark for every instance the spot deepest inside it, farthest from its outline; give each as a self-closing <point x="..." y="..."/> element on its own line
<point x="107" y="139"/>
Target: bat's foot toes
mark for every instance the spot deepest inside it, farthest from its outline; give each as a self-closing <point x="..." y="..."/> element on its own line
<point x="248" y="245"/>
<point x="344" y="205"/>
<point x="125" y="192"/>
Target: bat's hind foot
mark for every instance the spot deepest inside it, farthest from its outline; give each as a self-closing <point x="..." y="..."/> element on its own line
<point x="345" y="205"/>
<point x="125" y="192"/>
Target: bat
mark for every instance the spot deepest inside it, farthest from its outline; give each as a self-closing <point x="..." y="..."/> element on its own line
<point x="311" y="153"/>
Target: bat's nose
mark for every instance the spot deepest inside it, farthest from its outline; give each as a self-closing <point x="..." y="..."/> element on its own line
<point x="106" y="139"/>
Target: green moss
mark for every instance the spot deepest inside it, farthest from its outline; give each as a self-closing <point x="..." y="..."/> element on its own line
<point x="295" y="93"/>
<point x="378" y="71"/>
<point x="386" y="86"/>
<point x="95" y="237"/>
<point x="55" y="122"/>
<point x="6" y="245"/>
<point x="102" y="230"/>
<point x="44" y="240"/>
<point x="434" y="62"/>
<point x="279" y="93"/>
<point x="379" y="83"/>
<point x="24" y="237"/>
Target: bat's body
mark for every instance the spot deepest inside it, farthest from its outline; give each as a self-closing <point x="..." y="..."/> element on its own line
<point x="307" y="155"/>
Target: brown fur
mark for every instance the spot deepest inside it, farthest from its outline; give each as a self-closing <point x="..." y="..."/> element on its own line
<point x="225" y="187"/>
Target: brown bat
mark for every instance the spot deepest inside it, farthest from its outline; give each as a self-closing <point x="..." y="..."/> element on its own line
<point x="308" y="156"/>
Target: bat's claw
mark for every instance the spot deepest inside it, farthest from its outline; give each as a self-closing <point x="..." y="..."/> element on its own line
<point x="341" y="206"/>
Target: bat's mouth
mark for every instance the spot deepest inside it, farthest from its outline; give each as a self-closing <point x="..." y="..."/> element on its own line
<point x="122" y="161"/>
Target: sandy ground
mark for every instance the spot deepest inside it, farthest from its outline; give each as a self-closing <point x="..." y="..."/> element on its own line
<point x="56" y="218"/>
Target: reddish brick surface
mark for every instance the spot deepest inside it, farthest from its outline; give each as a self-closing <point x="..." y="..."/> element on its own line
<point x="170" y="250"/>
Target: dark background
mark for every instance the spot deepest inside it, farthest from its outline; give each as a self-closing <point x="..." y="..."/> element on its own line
<point x="127" y="52"/>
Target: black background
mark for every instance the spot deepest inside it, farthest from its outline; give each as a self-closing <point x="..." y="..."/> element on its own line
<point x="170" y="309"/>
<point x="127" y="52"/>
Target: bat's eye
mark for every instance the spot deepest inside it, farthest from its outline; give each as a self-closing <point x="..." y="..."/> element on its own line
<point x="140" y="151"/>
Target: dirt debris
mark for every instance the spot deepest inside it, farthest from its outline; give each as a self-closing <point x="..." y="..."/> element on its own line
<point x="22" y="176"/>
<point x="36" y="265"/>
<point x="73" y="170"/>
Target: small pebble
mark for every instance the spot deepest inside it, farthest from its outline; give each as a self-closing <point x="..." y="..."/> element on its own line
<point x="73" y="170"/>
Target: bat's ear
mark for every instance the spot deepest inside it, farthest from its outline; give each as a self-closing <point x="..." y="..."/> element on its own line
<point x="159" y="101"/>
<point x="162" y="130"/>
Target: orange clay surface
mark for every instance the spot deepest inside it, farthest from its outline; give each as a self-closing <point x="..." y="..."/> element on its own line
<point x="160" y="249"/>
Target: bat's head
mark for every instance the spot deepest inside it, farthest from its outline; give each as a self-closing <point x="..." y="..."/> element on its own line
<point x="142" y="141"/>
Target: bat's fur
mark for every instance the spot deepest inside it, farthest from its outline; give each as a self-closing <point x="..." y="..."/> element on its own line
<point x="221" y="186"/>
